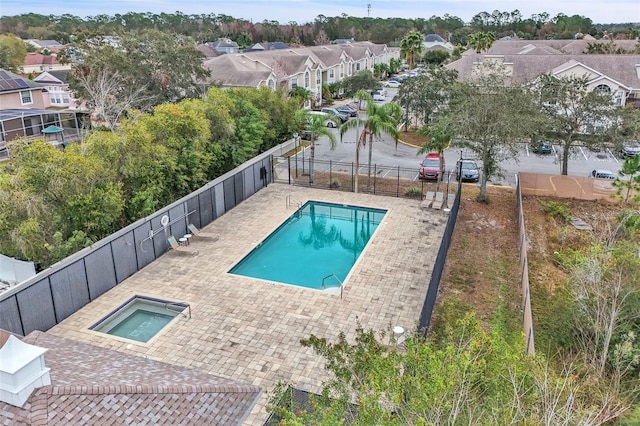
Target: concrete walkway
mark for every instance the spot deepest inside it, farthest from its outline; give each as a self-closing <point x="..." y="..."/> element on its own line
<point x="249" y="330"/>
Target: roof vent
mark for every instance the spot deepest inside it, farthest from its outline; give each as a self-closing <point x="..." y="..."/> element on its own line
<point x="22" y="370"/>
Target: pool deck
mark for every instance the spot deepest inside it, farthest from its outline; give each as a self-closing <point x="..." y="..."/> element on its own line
<point x="249" y="330"/>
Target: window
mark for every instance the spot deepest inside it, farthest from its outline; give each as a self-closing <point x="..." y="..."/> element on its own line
<point x="603" y="88"/>
<point x="341" y="70"/>
<point x="306" y="80"/>
<point x="294" y="83"/>
<point x="318" y="77"/>
<point x="331" y="73"/>
<point x="358" y="66"/>
<point x="25" y="97"/>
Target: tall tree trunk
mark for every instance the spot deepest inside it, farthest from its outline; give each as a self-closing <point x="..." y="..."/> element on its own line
<point x="311" y="157"/>
<point x="565" y="158"/>
<point x="355" y="180"/>
<point x="369" y="170"/>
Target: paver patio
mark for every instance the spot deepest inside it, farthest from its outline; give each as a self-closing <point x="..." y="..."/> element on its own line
<point x="249" y="330"/>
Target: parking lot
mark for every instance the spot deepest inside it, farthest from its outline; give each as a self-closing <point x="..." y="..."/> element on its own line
<point x="387" y="159"/>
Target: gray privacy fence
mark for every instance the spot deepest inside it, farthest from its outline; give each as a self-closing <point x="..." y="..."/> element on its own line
<point x="57" y="292"/>
<point x="438" y="267"/>
<point x="527" y="319"/>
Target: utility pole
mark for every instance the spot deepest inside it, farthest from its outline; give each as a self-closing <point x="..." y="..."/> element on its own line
<point x="368" y="10"/>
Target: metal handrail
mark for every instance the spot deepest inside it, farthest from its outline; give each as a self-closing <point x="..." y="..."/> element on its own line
<point x="181" y="305"/>
<point x="337" y="279"/>
<point x="290" y="201"/>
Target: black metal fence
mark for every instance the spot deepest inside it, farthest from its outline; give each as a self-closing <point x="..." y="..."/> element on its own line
<point x="438" y="267"/>
<point x="57" y="292"/>
<point x="375" y="179"/>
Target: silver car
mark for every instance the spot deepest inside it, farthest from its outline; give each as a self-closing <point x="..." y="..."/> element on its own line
<point x="467" y="170"/>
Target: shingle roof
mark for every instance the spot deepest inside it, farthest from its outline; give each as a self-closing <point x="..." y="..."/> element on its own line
<point x="566" y="47"/>
<point x="51" y="44"/>
<point x="40" y="59"/>
<point x="59" y="76"/>
<point x="621" y="68"/>
<point x="91" y="385"/>
<point x="237" y="70"/>
<point x="433" y="38"/>
<point x="207" y="51"/>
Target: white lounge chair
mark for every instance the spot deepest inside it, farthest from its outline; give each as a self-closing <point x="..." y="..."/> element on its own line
<point x="198" y="233"/>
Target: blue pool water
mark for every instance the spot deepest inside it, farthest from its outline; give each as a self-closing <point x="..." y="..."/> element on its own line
<point x="318" y="240"/>
<point x="139" y="318"/>
<point x="141" y="325"/>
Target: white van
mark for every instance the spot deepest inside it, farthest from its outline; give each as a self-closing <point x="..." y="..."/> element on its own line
<point x="328" y="122"/>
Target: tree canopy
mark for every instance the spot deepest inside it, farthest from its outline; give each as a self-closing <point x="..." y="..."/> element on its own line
<point x="137" y="73"/>
<point x="490" y="118"/>
<point x="54" y="202"/>
<point x="12" y="52"/>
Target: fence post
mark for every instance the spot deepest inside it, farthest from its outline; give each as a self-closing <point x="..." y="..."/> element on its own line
<point x="289" y="168"/>
<point x="375" y="177"/>
<point x="398" y="183"/>
<point x="352" y="178"/>
<point x="330" y="170"/>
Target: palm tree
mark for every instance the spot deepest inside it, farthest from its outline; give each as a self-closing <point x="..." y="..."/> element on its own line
<point x="411" y="47"/>
<point x="481" y="41"/>
<point x="439" y="141"/>
<point x="315" y="124"/>
<point x="380" y="119"/>
<point x="302" y="94"/>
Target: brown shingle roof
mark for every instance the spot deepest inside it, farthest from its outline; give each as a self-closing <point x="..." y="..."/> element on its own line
<point x="527" y="67"/>
<point x="40" y="59"/>
<point x="237" y="70"/>
<point x="566" y="47"/>
<point x="91" y="385"/>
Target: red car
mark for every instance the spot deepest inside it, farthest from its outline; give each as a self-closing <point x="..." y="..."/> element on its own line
<point x="432" y="167"/>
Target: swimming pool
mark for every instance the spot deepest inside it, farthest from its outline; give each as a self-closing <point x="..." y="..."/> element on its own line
<point x="140" y="318"/>
<point x="320" y="241"/>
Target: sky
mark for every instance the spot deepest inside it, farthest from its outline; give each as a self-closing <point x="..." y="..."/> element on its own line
<point x="301" y="11"/>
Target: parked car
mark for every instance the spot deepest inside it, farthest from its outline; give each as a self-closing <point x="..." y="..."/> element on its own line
<point x="378" y="97"/>
<point x="542" y="147"/>
<point x="306" y="135"/>
<point x="432" y="167"/>
<point x="328" y="122"/>
<point x="342" y="117"/>
<point x="467" y="170"/>
<point x="392" y="83"/>
<point x="354" y="105"/>
<point x="630" y="149"/>
<point x="396" y="79"/>
<point x="602" y="174"/>
<point x="346" y="110"/>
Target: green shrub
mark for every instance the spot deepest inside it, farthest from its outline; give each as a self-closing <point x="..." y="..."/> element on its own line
<point x="334" y="184"/>
<point x="557" y="210"/>
<point x="413" y="191"/>
<point x="568" y="259"/>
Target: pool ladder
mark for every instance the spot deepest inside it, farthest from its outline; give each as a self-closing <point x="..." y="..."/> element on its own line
<point x="292" y="202"/>
<point x="337" y="279"/>
<point x="169" y="305"/>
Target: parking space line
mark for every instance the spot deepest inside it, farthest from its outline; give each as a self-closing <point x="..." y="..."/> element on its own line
<point x="583" y="154"/>
<point x="612" y="156"/>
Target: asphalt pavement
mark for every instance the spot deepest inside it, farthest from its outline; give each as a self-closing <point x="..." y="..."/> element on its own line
<point x="386" y="153"/>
